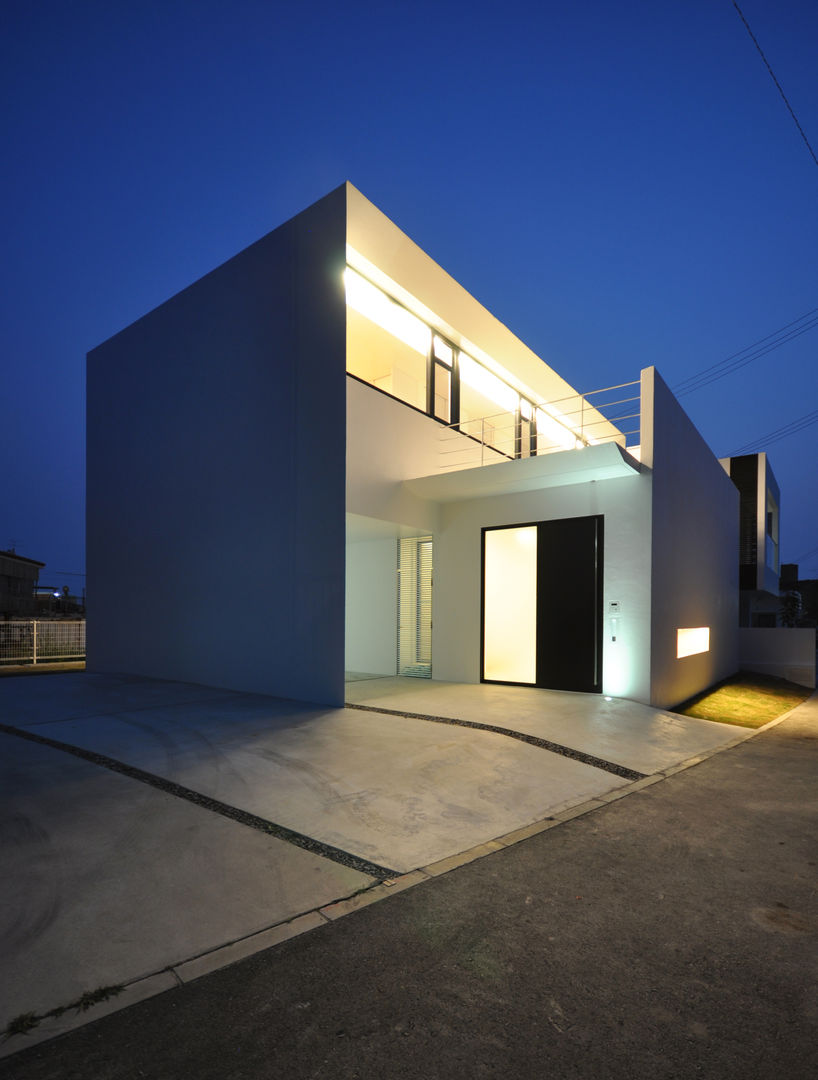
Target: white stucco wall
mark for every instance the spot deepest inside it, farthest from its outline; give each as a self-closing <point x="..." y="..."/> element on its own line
<point x="215" y="511"/>
<point x="389" y="442"/>
<point x="372" y="606"/>
<point x="625" y="505"/>
<point x="785" y="652"/>
<point x="695" y="541"/>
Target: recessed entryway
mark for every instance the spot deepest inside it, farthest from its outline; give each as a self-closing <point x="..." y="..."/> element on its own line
<point x="542" y="604"/>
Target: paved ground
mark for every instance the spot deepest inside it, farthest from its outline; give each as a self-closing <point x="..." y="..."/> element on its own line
<point x="669" y="934"/>
<point x="615" y="729"/>
<point x="117" y="873"/>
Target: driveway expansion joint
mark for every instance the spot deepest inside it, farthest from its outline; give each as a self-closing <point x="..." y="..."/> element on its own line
<point x="521" y="736"/>
<point x="243" y="817"/>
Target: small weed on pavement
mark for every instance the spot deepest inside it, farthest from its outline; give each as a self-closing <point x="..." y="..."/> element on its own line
<point x="26" y="1022"/>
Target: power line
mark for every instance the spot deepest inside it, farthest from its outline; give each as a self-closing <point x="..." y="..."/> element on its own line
<point x="806" y="555"/>
<point x="744" y="356"/>
<point x="780" y="433"/>
<point x="777" y="83"/>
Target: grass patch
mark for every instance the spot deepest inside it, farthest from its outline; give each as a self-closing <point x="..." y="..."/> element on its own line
<point x="746" y="699"/>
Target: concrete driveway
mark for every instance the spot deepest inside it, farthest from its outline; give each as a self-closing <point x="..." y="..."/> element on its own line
<point x="152" y="831"/>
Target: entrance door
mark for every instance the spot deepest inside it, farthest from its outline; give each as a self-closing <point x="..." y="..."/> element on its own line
<point x="542" y="604"/>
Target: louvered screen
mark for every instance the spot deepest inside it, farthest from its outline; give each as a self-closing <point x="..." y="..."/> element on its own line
<point x="424" y="603"/>
<point x="415" y="607"/>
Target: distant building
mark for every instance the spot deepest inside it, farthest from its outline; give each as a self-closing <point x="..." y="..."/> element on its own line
<point x="18" y="581"/>
<point x="758" y="555"/>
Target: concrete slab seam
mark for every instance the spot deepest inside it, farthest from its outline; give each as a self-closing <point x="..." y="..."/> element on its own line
<point x="521" y="736"/>
<point x="232" y="951"/>
<point x="243" y="817"/>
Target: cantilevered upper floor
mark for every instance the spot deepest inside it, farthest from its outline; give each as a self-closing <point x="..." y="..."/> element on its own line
<point x="416" y="334"/>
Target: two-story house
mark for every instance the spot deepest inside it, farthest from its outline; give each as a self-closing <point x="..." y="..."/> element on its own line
<point x="410" y="488"/>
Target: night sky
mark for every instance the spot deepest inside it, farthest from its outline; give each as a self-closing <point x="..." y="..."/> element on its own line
<point x="620" y="183"/>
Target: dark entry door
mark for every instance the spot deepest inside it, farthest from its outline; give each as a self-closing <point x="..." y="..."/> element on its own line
<point x="544" y="604"/>
<point x="569" y="604"/>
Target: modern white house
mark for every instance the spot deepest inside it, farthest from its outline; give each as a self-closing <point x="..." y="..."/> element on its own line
<point x="392" y="483"/>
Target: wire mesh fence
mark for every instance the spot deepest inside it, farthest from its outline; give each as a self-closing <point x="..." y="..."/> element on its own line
<point x="39" y="641"/>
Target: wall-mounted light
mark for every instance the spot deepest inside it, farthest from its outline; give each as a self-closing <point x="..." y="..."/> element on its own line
<point x="692" y="640"/>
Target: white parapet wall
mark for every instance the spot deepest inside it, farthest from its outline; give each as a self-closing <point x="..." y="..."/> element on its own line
<point x="787" y="653"/>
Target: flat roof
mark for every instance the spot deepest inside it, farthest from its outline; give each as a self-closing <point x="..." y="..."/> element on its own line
<point x="20" y="558"/>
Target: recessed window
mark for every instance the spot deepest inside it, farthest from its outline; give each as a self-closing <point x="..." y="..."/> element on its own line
<point x="387" y="345"/>
<point x="771" y="554"/>
<point x="395" y="350"/>
<point x="442" y="392"/>
<point x="443" y="351"/>
<point x="553" y="433"/>
<point x="488" y="406"/>
<point x="692" y="640"/>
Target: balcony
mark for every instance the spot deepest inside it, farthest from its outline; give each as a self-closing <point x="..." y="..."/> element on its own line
<point x="593" y="436"/>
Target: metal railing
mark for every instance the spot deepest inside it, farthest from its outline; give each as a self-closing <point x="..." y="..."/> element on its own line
<point x="38" y="642"/>
<point x="612" y="414"/>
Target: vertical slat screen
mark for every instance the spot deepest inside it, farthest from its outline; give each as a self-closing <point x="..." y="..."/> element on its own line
<point x="424" y="603"/>
<point x="415" y="606"/>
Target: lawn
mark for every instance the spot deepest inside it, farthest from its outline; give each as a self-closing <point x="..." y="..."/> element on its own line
<point x="746" y="699"/>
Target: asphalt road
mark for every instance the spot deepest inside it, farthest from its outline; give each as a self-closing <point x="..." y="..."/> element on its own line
<point x="673" y="933"/>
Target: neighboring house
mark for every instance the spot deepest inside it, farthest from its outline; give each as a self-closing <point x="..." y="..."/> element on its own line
<point x="759" y="527"/>
<point x="18" y="580"/>
<point x="412" y="487"/>
<point x="804" y="589"/>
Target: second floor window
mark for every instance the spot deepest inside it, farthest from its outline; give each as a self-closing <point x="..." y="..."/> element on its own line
<point x="395" y="351"/>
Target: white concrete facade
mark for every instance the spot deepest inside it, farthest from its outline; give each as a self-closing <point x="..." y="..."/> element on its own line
<point x="203" y="450"/>
<point x="215" y="514"/>
<point x="785" y="652"/>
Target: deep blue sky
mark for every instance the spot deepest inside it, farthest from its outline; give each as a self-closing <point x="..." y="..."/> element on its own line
<point x="620" y="183"/>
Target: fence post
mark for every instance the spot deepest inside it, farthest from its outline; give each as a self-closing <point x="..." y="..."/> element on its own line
<point x="34" y="641"/>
